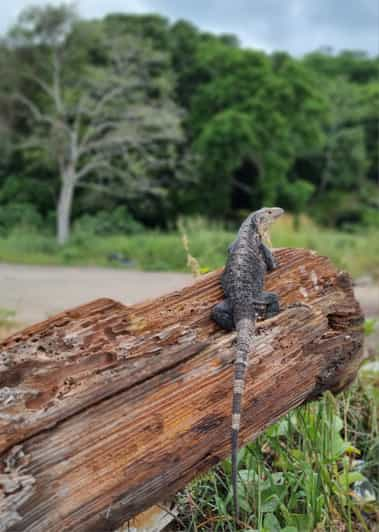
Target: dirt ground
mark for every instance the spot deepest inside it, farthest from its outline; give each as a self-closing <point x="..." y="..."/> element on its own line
<point x="37" y="292"/>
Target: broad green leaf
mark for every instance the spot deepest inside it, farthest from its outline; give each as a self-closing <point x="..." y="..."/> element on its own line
<point x="271" y="523"/>
<point x="270" y="504"/>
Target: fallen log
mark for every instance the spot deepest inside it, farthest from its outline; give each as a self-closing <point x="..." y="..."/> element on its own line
<point x="106" y="409"/>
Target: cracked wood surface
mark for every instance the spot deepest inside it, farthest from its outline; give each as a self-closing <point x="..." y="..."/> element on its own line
<point x="106" y="409"/>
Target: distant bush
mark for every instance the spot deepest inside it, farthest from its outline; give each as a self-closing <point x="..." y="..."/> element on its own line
<point x="371" y="217"/>
<point x="31" y="241"/>
<point x="118" y="221"/>
<point x="23" y="215"/>
<point x="343" y="211"/>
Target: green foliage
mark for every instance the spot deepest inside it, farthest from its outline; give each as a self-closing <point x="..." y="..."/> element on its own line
<point x="340" y="209"/>
<point x="369" y="326"/>
<point x="231" y="134"/>
<point x="6" y="317"/>
<point x="250" y="109"/>
<point x="118" y="221"/>
<point x="37" y="192"/>
<point x="16" y="189"/>
<point x="368" y="102"/>
<point x="153" y="28"/>
<point x="203" y="125"/>
<point x="356" y="66"/>
<point x="296" y="195"/>
<point x="21" y="215"/>
<point x="300" y="475"/>
<point x="370" y="217"/>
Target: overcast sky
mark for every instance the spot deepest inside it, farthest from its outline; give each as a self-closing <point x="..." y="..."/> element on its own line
<point x="297" y="26"/>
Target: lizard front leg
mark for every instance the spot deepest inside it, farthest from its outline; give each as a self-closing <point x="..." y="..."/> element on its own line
<point x="268" y="257"/>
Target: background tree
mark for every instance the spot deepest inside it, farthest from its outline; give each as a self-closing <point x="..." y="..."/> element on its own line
<point x="100" y="121"/>
<point x="251" y="118"/>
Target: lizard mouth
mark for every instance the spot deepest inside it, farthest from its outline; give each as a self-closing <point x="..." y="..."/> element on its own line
<point x="275" y="213"/>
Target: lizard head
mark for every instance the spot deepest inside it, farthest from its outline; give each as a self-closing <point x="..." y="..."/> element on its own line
<point x="264" y="218"/>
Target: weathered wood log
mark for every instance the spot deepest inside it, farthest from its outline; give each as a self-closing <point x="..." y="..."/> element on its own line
<point x="107" y="409"/>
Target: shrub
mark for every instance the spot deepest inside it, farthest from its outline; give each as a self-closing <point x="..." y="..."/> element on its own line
<point x="371" y="217"/>
<point x="22" y="215"/>
<point x="116" y="221"/>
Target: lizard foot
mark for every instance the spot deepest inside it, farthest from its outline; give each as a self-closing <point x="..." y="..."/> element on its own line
<point x="222" y="315"/>
<point x="272" y="304"/>
<point x="268" y="305"/>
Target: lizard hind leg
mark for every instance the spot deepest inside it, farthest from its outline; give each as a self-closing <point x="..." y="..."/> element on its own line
<point x="223" y="316"/>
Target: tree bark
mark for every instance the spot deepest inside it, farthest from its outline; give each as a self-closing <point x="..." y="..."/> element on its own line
<point x="64" y="208"/>
<point x="107" y="409"/>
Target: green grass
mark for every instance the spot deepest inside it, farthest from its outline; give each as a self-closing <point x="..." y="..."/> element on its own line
<point x="357" y="253"/>
<point x="7" y="322"/>
<point x="163" y="251"/>
<point x="301" y="475"/>
<point x="6" y="316"/>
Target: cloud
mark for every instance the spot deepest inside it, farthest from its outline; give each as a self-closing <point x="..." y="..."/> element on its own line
<point x="297" y="26"/>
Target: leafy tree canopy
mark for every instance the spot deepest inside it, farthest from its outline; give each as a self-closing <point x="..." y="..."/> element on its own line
<point x="161" y="118"/>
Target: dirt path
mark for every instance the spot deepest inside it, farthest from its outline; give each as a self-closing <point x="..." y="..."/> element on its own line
<point x="37" y="292"/>
<point x="368" y="297"/>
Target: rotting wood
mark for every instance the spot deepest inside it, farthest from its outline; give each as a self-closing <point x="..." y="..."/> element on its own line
<point x="106" y="409"/>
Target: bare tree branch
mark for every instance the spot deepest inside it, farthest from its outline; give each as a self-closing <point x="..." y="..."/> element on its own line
<point x="91" y="166"/>
<point x="39" y="81"/>
<point x="107" y="97"/>
<point x="33" y="109"/>
<point x="93" y="132"/>
<point x="57" y="82"/>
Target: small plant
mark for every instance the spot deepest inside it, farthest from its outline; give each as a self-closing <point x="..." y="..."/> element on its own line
<point x="6" y="317"/>
<point x="7" y="322"/>
<point x="369" y="326"/>
<point x="192" y="263"/>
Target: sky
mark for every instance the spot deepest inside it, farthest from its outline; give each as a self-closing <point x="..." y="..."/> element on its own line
<point x="296" y="26"/>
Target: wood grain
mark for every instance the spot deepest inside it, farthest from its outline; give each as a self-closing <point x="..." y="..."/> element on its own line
<point x="106" y="409"/>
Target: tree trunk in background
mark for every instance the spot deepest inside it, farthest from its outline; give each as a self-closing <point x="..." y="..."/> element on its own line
<point x="64" y="208"/>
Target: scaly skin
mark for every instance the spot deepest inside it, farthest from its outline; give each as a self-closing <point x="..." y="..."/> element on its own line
<point x="243" y="281"/>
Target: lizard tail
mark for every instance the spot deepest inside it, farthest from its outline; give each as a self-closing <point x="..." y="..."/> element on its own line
<point x="245" y="331"/>
<point x="234" y="474"/>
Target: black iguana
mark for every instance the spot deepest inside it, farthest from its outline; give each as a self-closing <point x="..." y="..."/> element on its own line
<point x="243" y="281"/>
